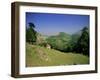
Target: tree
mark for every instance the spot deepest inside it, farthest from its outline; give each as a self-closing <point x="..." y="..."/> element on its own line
<point x="31" y="33"/>
<point x="82" y="45"/>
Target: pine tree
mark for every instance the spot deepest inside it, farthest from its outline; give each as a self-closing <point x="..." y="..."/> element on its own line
<point x="31" y="33"/>
<point x="82" y="45"/>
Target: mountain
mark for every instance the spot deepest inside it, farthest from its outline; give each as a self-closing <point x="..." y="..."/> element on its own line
<point x="59" y="41"/>
<point x="62" y="41"/>
<point x="75" y="37"/>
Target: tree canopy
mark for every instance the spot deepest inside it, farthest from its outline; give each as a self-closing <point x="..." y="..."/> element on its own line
<point x="83" y="42"/>
<point x="31" y="33"/>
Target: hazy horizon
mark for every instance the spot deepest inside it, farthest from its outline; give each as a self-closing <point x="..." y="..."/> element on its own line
<point x="52" y="24"/>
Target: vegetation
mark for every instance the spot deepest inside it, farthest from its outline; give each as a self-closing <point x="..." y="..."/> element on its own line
<point x="60" y="41"/>
<point x="78" y="43"/>
<point x="65" y="49"/>
<point x="31" y="33"/>
<point x="83" y="42"/>
<point x="40" y="56"/>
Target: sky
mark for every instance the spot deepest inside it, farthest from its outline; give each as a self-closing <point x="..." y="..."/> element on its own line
<point x="52" y="24"/>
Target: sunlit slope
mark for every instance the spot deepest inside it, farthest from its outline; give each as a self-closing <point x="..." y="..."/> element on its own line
<point x="41" y="56"/>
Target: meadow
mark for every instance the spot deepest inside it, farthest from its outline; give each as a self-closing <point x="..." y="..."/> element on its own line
<point x="42" y="56"/>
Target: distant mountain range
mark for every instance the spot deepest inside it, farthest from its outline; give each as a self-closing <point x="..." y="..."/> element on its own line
<point x="60" y="41"/>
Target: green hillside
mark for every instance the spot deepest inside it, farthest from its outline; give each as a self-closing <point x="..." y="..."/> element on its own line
<point x="41" y="56"/>
<point x="60" y="41"/>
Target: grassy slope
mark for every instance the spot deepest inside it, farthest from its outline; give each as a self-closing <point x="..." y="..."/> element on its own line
<point x="41" y="56"/>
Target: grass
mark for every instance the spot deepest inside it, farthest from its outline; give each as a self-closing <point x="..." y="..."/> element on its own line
<point x="41" y="56"/>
